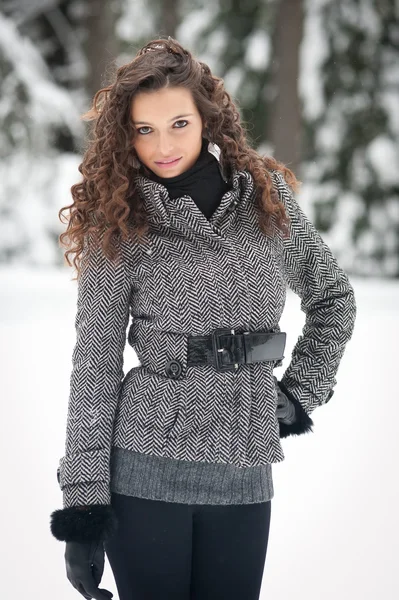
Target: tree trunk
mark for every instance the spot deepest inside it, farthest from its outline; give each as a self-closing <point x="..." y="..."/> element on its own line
<point x="169" y="17"/>
<point x="285" y="122"/>
<point x="101" y="45"/>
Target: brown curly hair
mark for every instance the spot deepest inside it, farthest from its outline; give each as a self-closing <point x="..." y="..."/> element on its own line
<point x="105" y="204"/>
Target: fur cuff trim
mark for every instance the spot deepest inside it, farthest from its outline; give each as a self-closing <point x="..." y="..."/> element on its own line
<point x="302" y="424"/>
<point x="97" y="522"/>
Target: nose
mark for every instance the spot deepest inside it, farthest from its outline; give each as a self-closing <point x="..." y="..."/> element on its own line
<point x="165" y="147"/>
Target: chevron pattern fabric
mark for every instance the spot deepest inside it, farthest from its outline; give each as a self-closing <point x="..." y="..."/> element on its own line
<point x="101" y="321"/>
<point x="327" y="299"/>
<point x="190" y="276"/>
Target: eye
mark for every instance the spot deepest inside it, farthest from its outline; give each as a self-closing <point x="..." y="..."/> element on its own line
<point x="182" y="121"/>
<point x="138" y="130"/>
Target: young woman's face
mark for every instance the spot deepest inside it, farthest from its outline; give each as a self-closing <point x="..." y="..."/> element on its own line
<point x="168" y="126"/>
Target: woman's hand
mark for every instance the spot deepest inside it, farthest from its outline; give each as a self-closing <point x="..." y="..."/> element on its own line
<point x="285" y="408"/>
<point x="85" y="566"/>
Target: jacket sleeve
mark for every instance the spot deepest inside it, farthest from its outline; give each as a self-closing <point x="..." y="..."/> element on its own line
<point x="83" y="473"/>
<point x="328" y="301"/>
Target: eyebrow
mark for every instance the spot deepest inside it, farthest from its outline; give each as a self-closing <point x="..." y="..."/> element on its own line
<point x="173" y="119"/>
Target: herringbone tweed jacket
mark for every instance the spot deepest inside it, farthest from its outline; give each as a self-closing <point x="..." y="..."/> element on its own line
<point x="189" y="277"/>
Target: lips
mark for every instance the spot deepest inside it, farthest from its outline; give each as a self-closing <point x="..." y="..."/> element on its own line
<point x="170" y="163"/>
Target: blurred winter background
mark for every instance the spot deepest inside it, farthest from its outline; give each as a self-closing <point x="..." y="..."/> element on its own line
<point x="318" y="82"/>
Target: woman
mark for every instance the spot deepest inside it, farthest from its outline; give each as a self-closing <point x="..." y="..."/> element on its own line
<point x="182" y="226"/>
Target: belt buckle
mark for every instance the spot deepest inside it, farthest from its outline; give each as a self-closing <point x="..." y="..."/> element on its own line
<point x="217" y="350"/>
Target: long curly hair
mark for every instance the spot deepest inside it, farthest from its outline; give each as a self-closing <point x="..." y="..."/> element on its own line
<point x="106" y="206"/>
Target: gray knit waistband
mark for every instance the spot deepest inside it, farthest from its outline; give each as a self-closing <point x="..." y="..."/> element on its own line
<point x="188" y="482"/>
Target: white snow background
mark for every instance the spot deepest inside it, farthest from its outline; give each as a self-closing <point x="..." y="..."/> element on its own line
<point x="334" y="525"/>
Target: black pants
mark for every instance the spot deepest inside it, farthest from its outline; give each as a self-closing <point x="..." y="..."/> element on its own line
<point x="171" y="551"/>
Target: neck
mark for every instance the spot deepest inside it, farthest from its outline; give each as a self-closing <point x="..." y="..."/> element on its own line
<point x="203" y="182"/>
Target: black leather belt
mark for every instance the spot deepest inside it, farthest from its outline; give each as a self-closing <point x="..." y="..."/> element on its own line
<point x="226" y="349"/>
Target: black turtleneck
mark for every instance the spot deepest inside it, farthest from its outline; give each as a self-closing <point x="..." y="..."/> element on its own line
<point x="203" y="182"/>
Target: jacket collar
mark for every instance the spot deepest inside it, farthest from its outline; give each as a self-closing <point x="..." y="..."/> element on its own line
<point x="161" y="209"/>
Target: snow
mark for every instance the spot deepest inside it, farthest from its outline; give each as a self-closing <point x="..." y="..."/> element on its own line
<point x="30" y="225"/>
<point x="234" y="79"/>
<point x="258" y="51"/>
<point x="191" y="28"/>
<point x="35" y="177"/>
<point x="334" y="524"/>
<point x="312" y="53"/>
<point x="46" y="103"/>
<point x="366" y="98"/>
<point x="132" y="14"/>
<point x="383" y="152"/>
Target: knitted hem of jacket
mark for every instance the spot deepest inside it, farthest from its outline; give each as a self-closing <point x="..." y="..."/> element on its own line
<point x="96" y="522"/>
<point x="303" y="422"/>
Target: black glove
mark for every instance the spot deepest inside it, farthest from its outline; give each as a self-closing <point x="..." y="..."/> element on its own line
<point x="85" y="566"/>
<point x="285" y="408"/>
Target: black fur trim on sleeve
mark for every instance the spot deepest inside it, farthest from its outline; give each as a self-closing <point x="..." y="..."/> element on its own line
<point x="302" y="424"/>
<point x="97" y="522"/>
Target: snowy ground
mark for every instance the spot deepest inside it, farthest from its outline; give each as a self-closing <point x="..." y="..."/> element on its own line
<point x="335" y="525"/>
